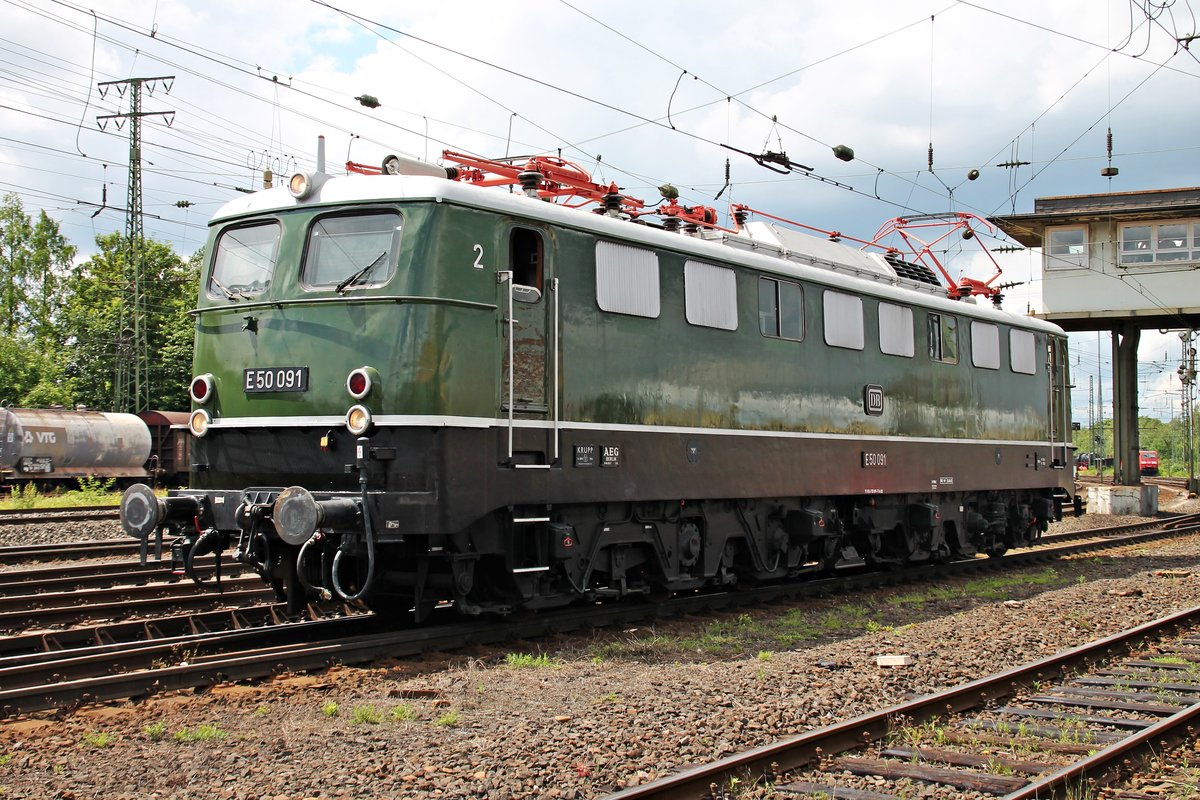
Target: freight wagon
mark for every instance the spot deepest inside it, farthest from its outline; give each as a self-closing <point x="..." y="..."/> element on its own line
<point x="54" y="447"/>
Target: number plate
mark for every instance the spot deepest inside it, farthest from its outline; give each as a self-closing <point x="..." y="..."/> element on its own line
<point x="275" y="379"/>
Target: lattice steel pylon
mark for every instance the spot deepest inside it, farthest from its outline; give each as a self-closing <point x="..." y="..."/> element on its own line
<point x="131" y="375"/>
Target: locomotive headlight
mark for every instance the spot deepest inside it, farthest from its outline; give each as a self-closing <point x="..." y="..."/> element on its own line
<point x="360" y="381"/>
<point x="300" y="185"/>
<point x="358" y="420"/>
<point x="202" y="388"/>
<point x="198" y="422"/>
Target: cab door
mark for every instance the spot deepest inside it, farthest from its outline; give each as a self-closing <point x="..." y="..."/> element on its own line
<point x="528" y="307"/>
<point x="1060" y="404"/>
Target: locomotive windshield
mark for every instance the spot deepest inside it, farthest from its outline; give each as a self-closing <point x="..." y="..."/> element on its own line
<point x="352" y="250"/>
<point x="245" y="260"/>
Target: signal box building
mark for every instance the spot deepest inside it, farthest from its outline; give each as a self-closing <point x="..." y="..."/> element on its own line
<point x="1119" y="262"/>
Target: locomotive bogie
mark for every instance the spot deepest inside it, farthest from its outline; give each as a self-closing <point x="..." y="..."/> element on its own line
<point x="502" y="403"/>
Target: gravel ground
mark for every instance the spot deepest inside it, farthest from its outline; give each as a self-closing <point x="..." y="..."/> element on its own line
<point x="594" y="714"/>
<point x="16" y="535"/>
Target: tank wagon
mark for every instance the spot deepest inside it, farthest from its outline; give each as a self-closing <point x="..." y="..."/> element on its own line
<point x="55" y="446"/>
<point x="410" y="389"/>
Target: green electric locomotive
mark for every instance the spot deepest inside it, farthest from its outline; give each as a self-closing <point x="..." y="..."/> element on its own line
<point x="413" y="389"/>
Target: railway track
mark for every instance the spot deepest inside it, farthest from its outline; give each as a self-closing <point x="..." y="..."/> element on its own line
<point x="132" y="658"/>
<point x="68" y="551"/>
<point x="23" y="516"/>
<point x="1076" y="725"/>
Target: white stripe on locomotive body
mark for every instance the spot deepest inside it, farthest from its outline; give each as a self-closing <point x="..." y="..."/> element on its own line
<point x="340" y="192"/>
<point x="439" y="421"/>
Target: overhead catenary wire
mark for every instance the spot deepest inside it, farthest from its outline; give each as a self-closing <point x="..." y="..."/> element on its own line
<point x="225" y="60"/>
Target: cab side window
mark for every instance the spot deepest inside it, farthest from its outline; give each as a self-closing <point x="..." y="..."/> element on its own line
<point x="943" y="338"/>
<point x="526" y="254"/>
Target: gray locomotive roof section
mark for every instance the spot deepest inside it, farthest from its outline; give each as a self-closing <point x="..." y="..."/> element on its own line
<point x="346" y="190"/>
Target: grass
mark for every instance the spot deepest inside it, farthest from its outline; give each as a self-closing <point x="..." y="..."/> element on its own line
<point x="155" y="731"/>
<point x="403" y="713"/>
<point x="448" y="720"/>
<point x="993" y="587"/>
<point x="365" y="715"/>
<point x="931" y="732"/>
<point x="99" y="738"/>
<point x="745" y="635"/>
<point x="329" y="709"/>
<point x="527" y="661"/>
<point x="92" y="492"/>
<point x="204" y="733"/>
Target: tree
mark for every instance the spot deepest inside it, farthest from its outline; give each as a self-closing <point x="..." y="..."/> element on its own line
<point x="50" y="262"/>
<point x="97" y="326"/>
<point x="16" y="233"/>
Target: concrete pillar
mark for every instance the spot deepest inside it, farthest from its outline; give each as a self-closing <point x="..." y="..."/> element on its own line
<point x="1126" y="442"/>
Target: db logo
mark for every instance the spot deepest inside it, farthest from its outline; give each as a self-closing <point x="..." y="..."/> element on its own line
<point x="873" y="400"/>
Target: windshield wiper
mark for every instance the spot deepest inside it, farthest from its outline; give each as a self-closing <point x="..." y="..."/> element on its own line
<point x="362" y="273"/>
<point x="230" y="294"/>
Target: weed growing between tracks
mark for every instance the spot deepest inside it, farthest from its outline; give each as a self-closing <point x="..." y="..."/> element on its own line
<point x="403" y="713"/>
<point x="99" y="738"/>
<point x="528" y="661"/>
<point x="204" y="733"/>
<point x="825" y="620"/>
<point x="366" y="715"/>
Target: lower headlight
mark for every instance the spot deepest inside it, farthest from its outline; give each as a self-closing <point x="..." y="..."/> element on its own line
<point x="358" y="420"/>
<point x="198" y="422"/>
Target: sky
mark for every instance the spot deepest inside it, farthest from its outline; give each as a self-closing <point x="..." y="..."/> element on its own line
<point x="637" y="94"/>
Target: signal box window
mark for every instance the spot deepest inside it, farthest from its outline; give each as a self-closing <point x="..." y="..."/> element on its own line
<point x="352" y="250"/>
<point x="943" y="338"/>
<point x="525" y="250"/>
<point x="1066" y="248"/>
<point x="844" y="320"/>
<point x="1161" y="243"/>
<point x="780" y="309"/>
<point x="244" y="261"/>
<point x="896" y="330"/>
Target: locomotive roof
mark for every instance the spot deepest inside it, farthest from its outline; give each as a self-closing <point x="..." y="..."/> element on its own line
<point x="764" y="247"/>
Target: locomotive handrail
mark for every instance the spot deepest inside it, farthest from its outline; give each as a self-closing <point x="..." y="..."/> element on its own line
<point x="506" y="276"/>
<point x="344" y="301"/>
<point x="555" y="357"/>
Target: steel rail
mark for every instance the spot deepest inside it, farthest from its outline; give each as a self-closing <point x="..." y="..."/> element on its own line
<point x="92" y="576"/>
<point x="47" y="516"/>
<point x="23" y="619"/>
<point x="48" y="645"/>
<point x="69" y="551"/>
<point x="88" y="662"/>
<point x="94" y="597"/>
<point x="16" y="512"/>
<point x="799" y="751"/>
